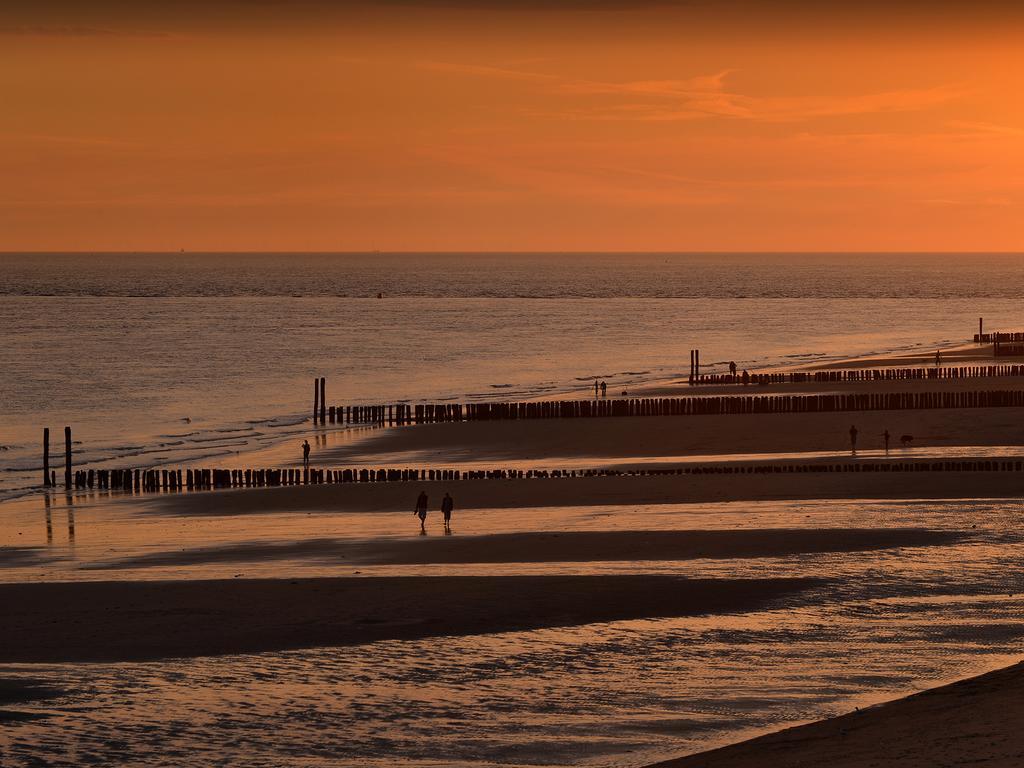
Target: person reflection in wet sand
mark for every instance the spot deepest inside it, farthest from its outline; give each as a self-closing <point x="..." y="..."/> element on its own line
<point x="853" y="438"/>
<point x="447" y="505"/>
<point x="49" y="519"/>
<point x="305" y="454"/>
<point x="421" y="511"/>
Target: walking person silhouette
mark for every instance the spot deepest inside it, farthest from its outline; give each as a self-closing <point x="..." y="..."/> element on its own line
<point x="447" y="505"/>
<point x="305" y="454"/>
<point x="421" y="510"/>
<point x="853" y="438"/>
<point x="885" y="438"/>
<point x="604" y="389"/>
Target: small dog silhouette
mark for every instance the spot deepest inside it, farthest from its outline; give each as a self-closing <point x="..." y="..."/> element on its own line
<point x="906" y="440"/>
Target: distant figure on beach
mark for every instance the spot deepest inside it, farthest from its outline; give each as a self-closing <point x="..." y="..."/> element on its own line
<point x="938" y="358"/>
<point x="906" y="440"/>
<point x="597" y="386"/>
<point x="746" y="376"/>
<point x="421" y="510"/>
<point x="604" y="389"/>
<point x="447" y="505"/>
<point x="305" y="454"/>
<point x="853" y="438"/>
<point x="885" y="439"/>
<point x="732" y="368"/>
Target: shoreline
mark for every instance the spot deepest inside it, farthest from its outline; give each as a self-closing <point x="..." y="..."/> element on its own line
<point x="299" y="427"/>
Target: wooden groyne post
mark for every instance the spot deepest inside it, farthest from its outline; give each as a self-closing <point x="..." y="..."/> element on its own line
<point x="316" y="398"/>
<point x="46" y="457"/>
<point x="323" y="399"/>
<point x="67" y="457"/>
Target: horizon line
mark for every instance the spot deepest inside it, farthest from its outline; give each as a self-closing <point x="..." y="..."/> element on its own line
<point x="573" y="252"/>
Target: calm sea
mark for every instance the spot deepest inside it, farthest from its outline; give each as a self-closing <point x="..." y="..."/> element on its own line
<point x="167" y="357"/>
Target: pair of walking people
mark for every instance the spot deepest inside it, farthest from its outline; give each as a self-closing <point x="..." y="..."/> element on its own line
<point x="447" y="505"/>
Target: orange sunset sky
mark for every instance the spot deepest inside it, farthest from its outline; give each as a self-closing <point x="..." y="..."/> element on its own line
<point x="511" y="126"/>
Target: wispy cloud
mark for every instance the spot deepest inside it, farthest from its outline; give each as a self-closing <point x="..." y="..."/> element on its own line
<point x="706" y="96"/>
<point x="985" y="129"/>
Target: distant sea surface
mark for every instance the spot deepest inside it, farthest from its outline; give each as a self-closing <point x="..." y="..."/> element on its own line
<point x="170" y="357"/>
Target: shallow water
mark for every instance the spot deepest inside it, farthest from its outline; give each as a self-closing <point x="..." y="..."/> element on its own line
<point x="156" y="359"/>
<point x="616" y="694"/>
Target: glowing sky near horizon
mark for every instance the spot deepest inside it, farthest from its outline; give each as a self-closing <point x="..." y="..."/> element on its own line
<point x="464" y="126"/>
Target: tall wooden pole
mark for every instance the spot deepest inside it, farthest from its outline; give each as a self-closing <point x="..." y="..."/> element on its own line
<point x="316" y="398"/>
<point x="323" y="400"/>
<point x="46" y="457"/>
<point x="67" y="458"/>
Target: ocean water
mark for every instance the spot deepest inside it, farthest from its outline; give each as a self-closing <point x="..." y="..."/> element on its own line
<point x="157" y="358"/>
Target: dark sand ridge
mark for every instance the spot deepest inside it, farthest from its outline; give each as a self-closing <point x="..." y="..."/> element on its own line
<point x="17" y="557"/>
<point x="15" y="692"/>
<point x="58" y="622"/>
<point x="971" y="722"/>
<point x="567" y="546"/>
<point x="592" y="491"/>
<point x="448" y="443"/>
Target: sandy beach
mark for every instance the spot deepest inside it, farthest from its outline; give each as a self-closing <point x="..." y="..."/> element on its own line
<point x="563" y="547"/>
<point x="633" y="437"/>
<point x="964" y="723"/>
<point x="596" y="491"/>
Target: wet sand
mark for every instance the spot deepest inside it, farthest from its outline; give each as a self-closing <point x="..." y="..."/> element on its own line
<point x="621" y="491"/>
<point x="436" y="444"/>
<point x="970" y="722"/>
<point x="564" y="547"/>
<point x="137" y="621"/>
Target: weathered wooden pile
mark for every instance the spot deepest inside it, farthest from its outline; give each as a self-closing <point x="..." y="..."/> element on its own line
<point x="999" y="338"/>
<point x="429" y="413"/>
<point x="149" y="481"/>
<point x="864" y="374"/>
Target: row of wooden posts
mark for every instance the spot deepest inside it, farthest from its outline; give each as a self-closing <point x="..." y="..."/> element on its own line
<point x="50" y="477"/>
<point x="694" y="364"/>
<point x="1000" y="338"/>
<point x="148" y="481"/>
<point x="449" y="412"/>
<point x="703" y="405"/>
<point x="865" y="374"/>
